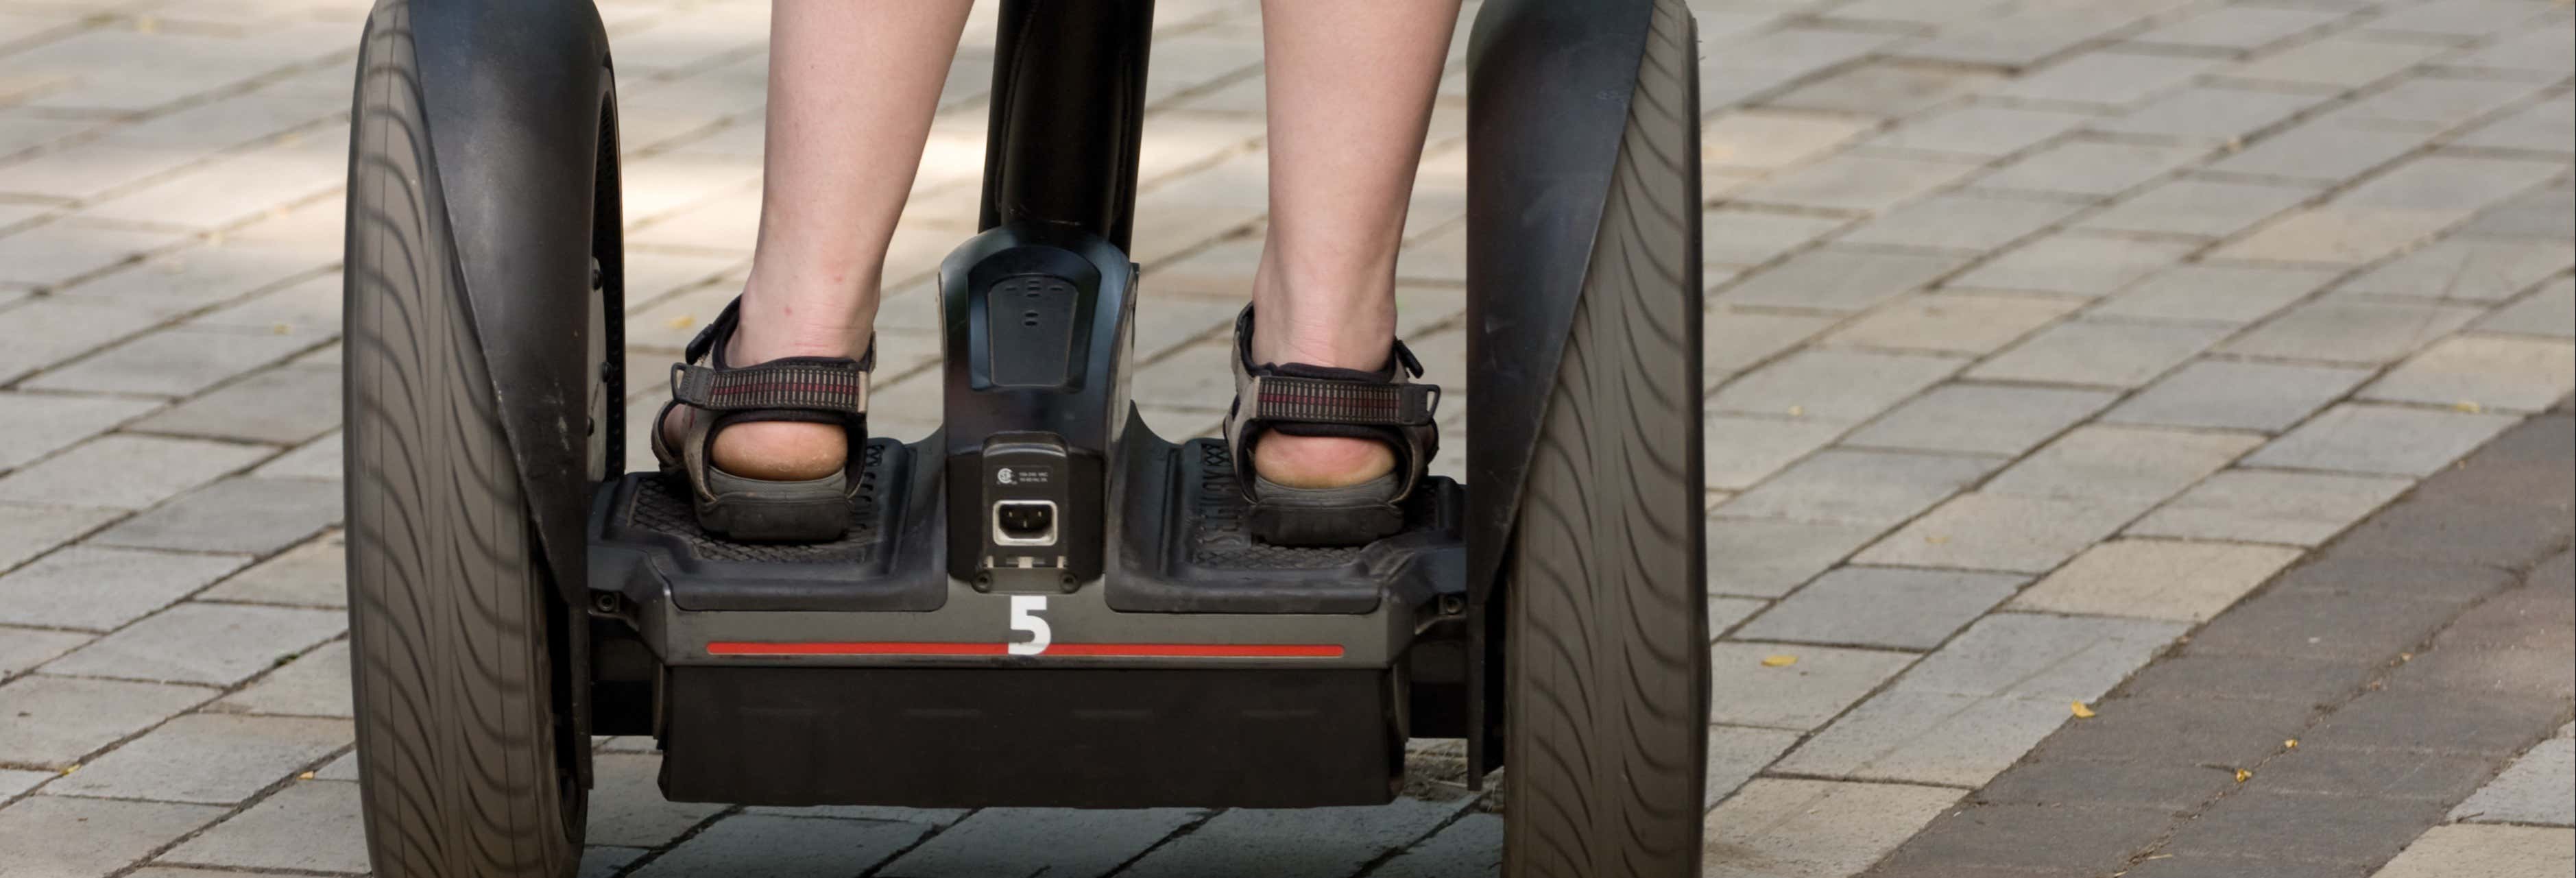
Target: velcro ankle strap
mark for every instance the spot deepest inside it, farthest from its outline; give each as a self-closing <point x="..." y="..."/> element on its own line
<point x="808" y="383"/>
<point x="1289" y="399"/>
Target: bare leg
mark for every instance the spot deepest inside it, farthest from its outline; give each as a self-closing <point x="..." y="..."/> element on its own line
<point x="1350" y="90"/>
<point x="852" y="88"/>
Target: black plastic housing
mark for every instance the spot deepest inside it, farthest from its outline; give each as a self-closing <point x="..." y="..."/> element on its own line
<point x="1111" y="738"/>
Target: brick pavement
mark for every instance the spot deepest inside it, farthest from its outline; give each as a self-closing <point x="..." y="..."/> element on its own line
<point x="2041" y="333"/>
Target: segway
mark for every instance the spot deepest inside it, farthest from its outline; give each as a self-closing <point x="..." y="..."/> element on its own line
<point x="1044" y="603"/>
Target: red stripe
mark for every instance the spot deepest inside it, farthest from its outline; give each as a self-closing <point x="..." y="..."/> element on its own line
<point x="1092" y="650"/>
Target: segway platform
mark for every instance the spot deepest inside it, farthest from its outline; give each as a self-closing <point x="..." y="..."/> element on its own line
<point x="1043" y="602"/>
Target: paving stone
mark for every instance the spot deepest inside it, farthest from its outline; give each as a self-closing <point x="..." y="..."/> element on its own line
<point x="605" y="862"/>
<point x="126" y="472"/>
<point x="1800" y="696"/>
<point x="2309" y="682"/>
<point x="2231" y="294"/>
<point x="2081" y="839"/>
<point x="2458" y="19"/>
<point x="2156" y="579"/>
<point x="2495" y="534"/>
<point x="55" y="835"/>
<point x="1981" y="418"/>
<point x="1833" y="385"/>
<point x="2337" y="61"/>
<point x="1838" y="279"/>
<point x="2119" y="463"/>
<point x="316" y="683"/>
<point x="2549" y="312"/>
<point x="1724" y="612"/>
<point x="2380" y="439"/>
<point x="1951" y="322"/>
<point x="311" y="825"/>
<point x="2208" y="113"/>
<point x="2352" y="331"/>
<point x="1733" y="340"/>
<point x="284" y="405"/>
<point x="1859" y="487"/>
<point x="2322" y="626"/>
<point x="216" y="760"/>
<point x="2112" y="782"/>
<point x="1768" y="558"/>
<point x="2072" y="264"/>
<point x="1980" y="129"/>
<point x="788" y="847"/>
<point x="309" y="310"/>
<point x="99" y="589"/>
<point x="1882" y="606"/>
<point x="2230" y="864"/>
<point x="1993" y="532"/>
<point x="2445" y="182"/>
<point x="2530" y="791"/>
<point x="43" y="422"/>
<point x="2467" y="269"/>
<point x="314" y="574"/>
<point x="2099" y="353"/>
<point x="881" y="813"/>
<point x="1814" y="829"/>
<point x="627" y="808"/>
<point x="2339" y="235"/>
<point x="172" y="362"/>
<point x="23" y="648"/>
<point x="48" y="330"/>
<point x="1033" y="841"/>
<point x="1765" y="140"/>
<point x="2536" y="49"/>
<point x="1749" y="236"/>
<point x="2238" y="395"/>
<point x="2376" y="774"/>
<point x="1323" y="841"/>
<point x="1970" y="221"/>
<point x="1747" y="67"/>
<point x="2041" y="656"/>
<point x="2322" y="150"/>
<point x="51" y="722"/>
<point x="2198" y="208"/>
<point x="235" y="515"/>
<point x="2547" y="126"/>
<point x="1886" y="88"/>
<point x="2105" y="78"/>
<point x="2429" y="104"/>
<point x="1928" y="737"/>
<point x="2266" y="506"/>
<point x="2183" y="731"/>
<point x="2488" y="851"/>
<point x="1472" y="846"/>
<point x="2292" y="826"/>
<point x="55" y="252"/>
<point x="2091" y="167"/>
<point x="2239" y="28"/>
<point x="1856" y="182"/>
<point x="2494" y="372"/>
<point x="213" y="644"/>
<point x="14" y="781"/>
<point x="1741" y="451"/>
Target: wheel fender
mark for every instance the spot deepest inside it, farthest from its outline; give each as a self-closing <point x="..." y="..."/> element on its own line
<point x="511" y="92"/>
<point x="1548" y="85"/>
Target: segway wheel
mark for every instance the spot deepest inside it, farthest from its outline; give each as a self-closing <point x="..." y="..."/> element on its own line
<point x="466" y="754"/>
<point x="1607" y="641"/>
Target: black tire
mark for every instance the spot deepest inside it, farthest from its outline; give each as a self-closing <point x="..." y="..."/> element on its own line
<point x="466" y="748"/>
<point x="1608" y="633"/>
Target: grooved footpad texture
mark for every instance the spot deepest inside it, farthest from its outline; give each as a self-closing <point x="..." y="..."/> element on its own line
<point x="660" y="503"/>
<point x="1216" y="509"/>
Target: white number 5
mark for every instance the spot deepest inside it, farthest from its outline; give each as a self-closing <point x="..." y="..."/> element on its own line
<point x="1024" y="617"/>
